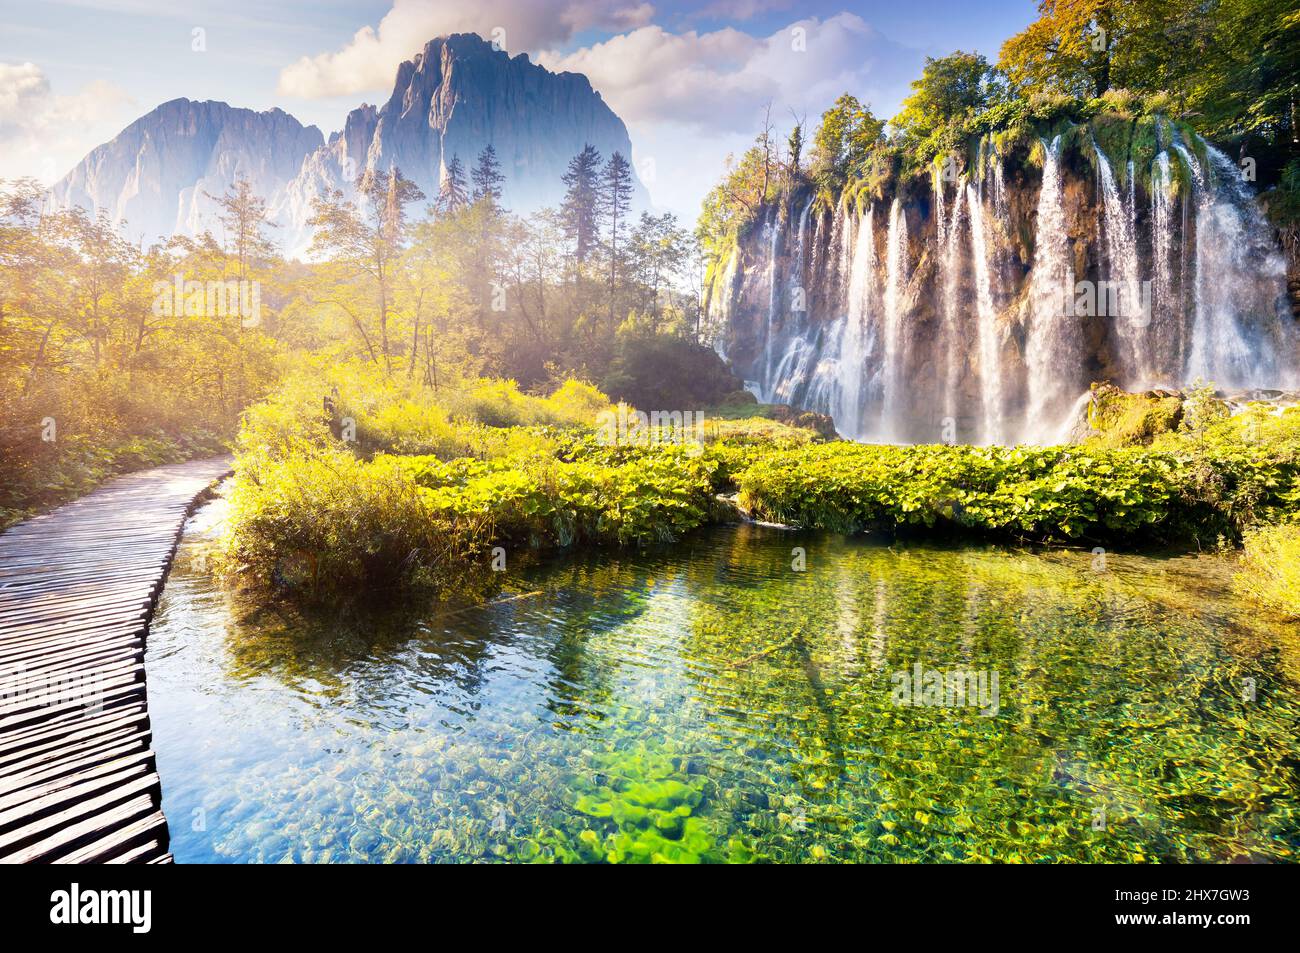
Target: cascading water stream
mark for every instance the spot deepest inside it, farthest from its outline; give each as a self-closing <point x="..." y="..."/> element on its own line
<point x="894" y="344"/>
<point x="1122" y="301"/>
<point x="1167" y="337"/>
<point x="773" y="300"/>
<point x="949" y="269"/>
<point x="855" y="341"/>
<point x="1000" y="206"/>
<point x="800" y="308"/>
<point x="1237" y="337"/>
<point x="1054" y="344"/>
<point x="990" y="348"/>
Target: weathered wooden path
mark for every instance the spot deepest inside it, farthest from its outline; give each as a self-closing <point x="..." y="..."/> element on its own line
<point x="78" y="585"/>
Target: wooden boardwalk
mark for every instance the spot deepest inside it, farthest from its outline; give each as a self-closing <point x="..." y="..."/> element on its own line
<point x="77" y="588"/>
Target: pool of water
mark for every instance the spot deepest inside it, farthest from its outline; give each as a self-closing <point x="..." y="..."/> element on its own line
<point x="749" y="694"/>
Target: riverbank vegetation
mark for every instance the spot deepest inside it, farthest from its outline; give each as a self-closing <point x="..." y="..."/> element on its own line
<point x="1270" y="571"/>
<point x="347" y="480"/>
<point x="349" y="483"/>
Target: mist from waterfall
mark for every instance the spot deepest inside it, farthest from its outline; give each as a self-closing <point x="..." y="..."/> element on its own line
<point x="988" y="346"/>
<point x="1236" y="339"/>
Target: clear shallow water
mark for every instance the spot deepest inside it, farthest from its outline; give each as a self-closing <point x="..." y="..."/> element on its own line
<point x="707" y="702"/>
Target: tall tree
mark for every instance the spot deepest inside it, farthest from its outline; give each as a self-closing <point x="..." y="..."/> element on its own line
<point x="242" y="217"/>
<point x="1071" y="48"/>
<point x="578" y="211"/>
<point x="659" y="250"/>
<point x="766" y="143"/>
<point x="952" y="91"/>
<point x="794" y="151"/>
<point x="453" y="193"/>
<point x="614" y="204"/>
<point x="487" y="177"/>
<point x="368" y="241"/>
<point x="845" y="139"/>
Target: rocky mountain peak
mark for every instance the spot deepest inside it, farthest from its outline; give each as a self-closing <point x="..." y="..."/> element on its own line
<point x="455" y="97"/>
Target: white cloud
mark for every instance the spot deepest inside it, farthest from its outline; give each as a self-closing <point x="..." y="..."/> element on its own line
<point x="44" y="133"/>
<point x="691" y="98"/>
<point x="369" y="61"/>
<point x="717" y="81"/>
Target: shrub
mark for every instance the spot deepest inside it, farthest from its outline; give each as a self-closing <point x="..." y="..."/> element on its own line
<point x="319" y="521"/>
<point x="662" y="372"/>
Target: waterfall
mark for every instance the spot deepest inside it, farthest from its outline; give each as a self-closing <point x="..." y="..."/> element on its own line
<point x="1121" y="299"/>
<point x="1000" y="207"/>
<point x="949" y="265"/>
<point x="1237" y="337"/>
<point x="720" y="310"/>
<point x="894" y="345"/>
<point x="800" y="255"/>
<point x="846" y="250"/>
<point x="859" y="329"/>
<point x="990" y="347"/>
<point x="1054" y="344"/>
<point x="773" y="299"/>
<point x="856" y="341"/>
<point x="1167" y="311"/>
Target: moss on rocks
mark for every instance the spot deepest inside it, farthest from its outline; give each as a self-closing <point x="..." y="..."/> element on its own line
<point x="1121" y="419"/>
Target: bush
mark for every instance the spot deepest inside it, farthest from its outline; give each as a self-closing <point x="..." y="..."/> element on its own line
<point x="314" y="514"/>
<point x="319" y="521"/>
<point x="1121" y="419"/>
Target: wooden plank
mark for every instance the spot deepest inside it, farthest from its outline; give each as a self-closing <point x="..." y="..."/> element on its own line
<point x="122" y="838"/>
<point x="78" y="779"/>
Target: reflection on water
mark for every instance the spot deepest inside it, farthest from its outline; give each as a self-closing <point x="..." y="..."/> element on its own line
<point x="706" y="702"/>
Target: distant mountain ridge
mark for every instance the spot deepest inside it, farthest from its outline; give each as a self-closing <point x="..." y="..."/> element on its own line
<point x="455" y="97"/>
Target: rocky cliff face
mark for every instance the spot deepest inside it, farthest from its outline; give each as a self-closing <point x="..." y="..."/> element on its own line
<point x="454" y="98"/>
<point x="979" y="306"/>
<point x="155" y="176"/>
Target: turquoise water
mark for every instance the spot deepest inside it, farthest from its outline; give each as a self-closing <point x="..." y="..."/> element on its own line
<point x="707" y="701"/>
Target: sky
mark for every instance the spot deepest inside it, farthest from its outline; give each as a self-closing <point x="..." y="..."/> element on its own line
<point x="690" y="80"/>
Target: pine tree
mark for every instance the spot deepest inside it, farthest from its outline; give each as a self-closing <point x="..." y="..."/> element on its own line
<point x="453" y="193"/>
<point x="487" y="177"/>
<point x="578" y="212"/>
<point x="614" y="203"/>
